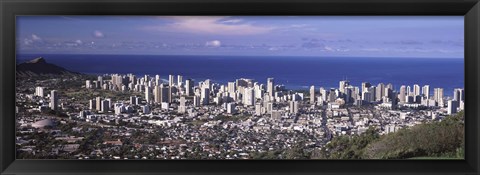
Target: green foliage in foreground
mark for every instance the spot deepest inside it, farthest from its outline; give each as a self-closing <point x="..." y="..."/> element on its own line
<point x="443" y="139"/>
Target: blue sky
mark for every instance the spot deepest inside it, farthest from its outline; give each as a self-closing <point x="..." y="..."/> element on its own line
<point x="364" y="36"/>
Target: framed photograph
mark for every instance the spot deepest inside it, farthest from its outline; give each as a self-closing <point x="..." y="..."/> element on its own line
<point x="239" y="87"/>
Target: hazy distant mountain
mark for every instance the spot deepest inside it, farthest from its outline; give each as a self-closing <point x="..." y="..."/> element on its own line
<point x="39" y="66"/>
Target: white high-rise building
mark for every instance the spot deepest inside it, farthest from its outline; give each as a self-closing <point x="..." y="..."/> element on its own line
<point x="39" y="91"/>
<point x="379" y="92"/>
<point x="171" y="80"/>
<point x="402" y="94"/>
<point x="312" y="94"/>
<point x="148" y="94"/>
<point x="416" y="90"/>
<point x="182" y="108"/>
<point x="179" y="80"/>
<point x="88" y="84"/>
<point x="342" y="85"/>
<point x="438" y="96"/>
<point x="249" y="97"/>
<point x="53" y="100"/>
<point x="270" y="87"/>
<point x="231" y="87"/>
<point x="426" y="91"/>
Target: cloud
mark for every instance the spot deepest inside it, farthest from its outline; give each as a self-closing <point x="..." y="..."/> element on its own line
<point x="214" y="43"/>
<point x="79" y="42"/>
<point x="98" y="34"/>
<point x="36" y="38"/>
<point x="217" y="25"/>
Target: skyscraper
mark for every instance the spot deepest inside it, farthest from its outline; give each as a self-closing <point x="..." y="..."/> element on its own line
<point x="148" y="96"/>
<point x="182" y="107"/>
<point x="205" y="95"/>
<point x="342" y="85"/>
<point x="402" y="94"/>
<point x="426" y="91"/>
<point x="249" y="97"/>
<point x="438" y="96"/>
<point x="365" y="86"/>
<point x="98" y="103"/>
<point x="416" y="90"/>
<point x="189" y="87"/>
<point x="458" y="94"/>
<point x="53" y="100"/>
<point x="39" y="91"/>
<point x="171" y="80"/>
<point x="157" y="95"/>
<point x="231" y="87"/>
<point x="270" y="87"/>
<point x="231" y="108"/>
<point x="312" y="94"/>
<point x="379" y="92"/>
<point x="293" y="107"/>
<point x="179" y="80"/>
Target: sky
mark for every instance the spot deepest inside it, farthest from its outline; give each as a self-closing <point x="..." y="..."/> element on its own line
<point x="349" y="36"/>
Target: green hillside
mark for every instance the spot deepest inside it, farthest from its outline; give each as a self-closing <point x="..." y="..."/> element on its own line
<point x="443" y="139"/>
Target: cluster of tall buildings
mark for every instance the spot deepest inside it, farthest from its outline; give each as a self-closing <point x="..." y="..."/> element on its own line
<point x="248" y="92"/>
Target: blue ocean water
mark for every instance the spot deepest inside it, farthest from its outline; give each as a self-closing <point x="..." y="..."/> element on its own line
<point x="293" y="72"/>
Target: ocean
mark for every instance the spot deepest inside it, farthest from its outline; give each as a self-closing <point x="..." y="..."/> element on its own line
<point x="293" y="72"/>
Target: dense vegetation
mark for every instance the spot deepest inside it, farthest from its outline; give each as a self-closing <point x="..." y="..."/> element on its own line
<point x="443" y="139"/>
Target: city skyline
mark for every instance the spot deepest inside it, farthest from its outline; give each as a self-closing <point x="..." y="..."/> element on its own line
<point x="369" y="36"/>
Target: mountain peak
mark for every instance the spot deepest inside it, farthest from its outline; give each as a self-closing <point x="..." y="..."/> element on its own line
<point x="37" y="60"/>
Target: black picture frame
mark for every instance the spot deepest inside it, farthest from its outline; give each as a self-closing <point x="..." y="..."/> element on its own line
<point x="11" y="8"/>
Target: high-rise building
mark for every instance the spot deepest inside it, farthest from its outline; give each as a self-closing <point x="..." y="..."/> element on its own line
<point x="231" y="87"/>
<point x="312" y="94"/>
<point x="458" y="94"/>
<point x="98" y="103"/>
<point x="231" y="108"/>
<point x="365" y="86"/>
<point x="324" y="94"/>
<point x="157" y="94"/>
<point x="379" y="92"/>
<point x="438" y="96"/>
<point x="249" y="97"/>
<point x="342" y="85"/>
<point x="426" y="91"/>
<point x="39" y="91"/>
<point x="148" y="94"/>
<point x="416" y="90"/>
<point x="105" y="106"/>
<point x="293" y="107"/>
<point x="196" y="101"/>
<point x="205" y="95"/>
<point x="171" y="80"/>
<point x="53" y="100"/>
<point x="92" y="104"/>
<point x="258" y="109"/>
<point x="452" y="107"/>
<point x="100" y="80"/>
<point x="179" y="80"/>
<point x="88" y="84"/>
<point x="403" y="93"/>
<point x="189" y="87"/>
<point x="270" y="87"/>
<point x="165" y="95"/>
<point x="182" y="108"/>
<point x="409" y="91"/>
